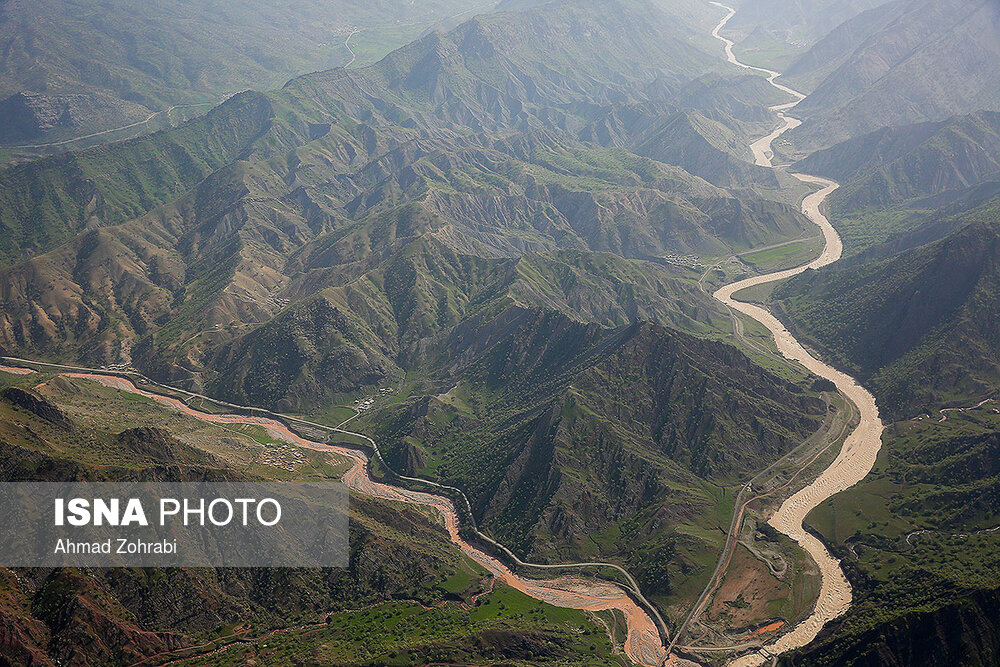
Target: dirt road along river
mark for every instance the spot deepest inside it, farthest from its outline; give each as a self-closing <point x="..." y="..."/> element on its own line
<point x="642" y="644"/>
<point x="857" y="457"/>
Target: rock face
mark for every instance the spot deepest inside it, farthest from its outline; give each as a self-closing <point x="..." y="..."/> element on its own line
<point x="966" y="632"/>
<point x="935" y="59"/>
<point x="26" y="117"/>
<point x="29" y="118"/>
<point x="35" y="404"/>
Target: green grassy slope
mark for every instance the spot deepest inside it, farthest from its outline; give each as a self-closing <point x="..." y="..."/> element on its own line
<point x="895" y="166"/>
<point x="918" y="328"/>
<point x="916" y="542"/>
<point x="43" y="204"/>
<point x="531" y="423"/>
<point x="441" y="220"/>
<point x="403" y="571"/>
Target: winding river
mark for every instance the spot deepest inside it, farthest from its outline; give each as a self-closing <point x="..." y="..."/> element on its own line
<point x="643" y="643"/>
<point x="857" y="456"/>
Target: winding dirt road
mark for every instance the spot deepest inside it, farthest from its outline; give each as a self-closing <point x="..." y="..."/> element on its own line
<point x="857" y="457"/>
<point x="347" y="45"/>
<point x="117" y="129"/>
<point x="643" y="644"/>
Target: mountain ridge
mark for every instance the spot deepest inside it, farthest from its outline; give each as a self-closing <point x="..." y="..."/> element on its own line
<point x="932" y="61"/>
<point x="920" y="319"/>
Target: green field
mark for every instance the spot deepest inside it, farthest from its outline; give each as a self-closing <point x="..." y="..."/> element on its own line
<point x="503" y="625"/>
<point x="786" y="256"/>
<point x="915" y="535"/>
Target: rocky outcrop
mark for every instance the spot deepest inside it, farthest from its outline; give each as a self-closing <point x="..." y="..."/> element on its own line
<point x="964" y="632"/>
<point x="32" y="402"/>
<point x="159" y="445"/>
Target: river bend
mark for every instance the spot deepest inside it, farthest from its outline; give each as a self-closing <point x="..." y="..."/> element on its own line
<point x="860" y="449"/>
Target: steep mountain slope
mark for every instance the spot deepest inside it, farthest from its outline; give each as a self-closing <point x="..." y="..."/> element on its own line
<point x="894" y="165"/>
<point x="496" y="73"/>
<point x="337" y="180"/>
<point x="735" y="101"/>
<point x="45" y="203"/>
<point x="920" y="328"/>
<point x="69" y="69"/>
<point x="401" y="562"/>
<point x="908" y="185"/>
<point x="704" y="147"/>
<point x="243" y="246"/>
<point x="544" y="67"/>
<point x="404" y="315"/>
<point x="809" y="69"/>
<point x="528" y="418"/>
<point x="451" y="222"/>
<point x="934" y="60"/>
<point x="918" y="538"/>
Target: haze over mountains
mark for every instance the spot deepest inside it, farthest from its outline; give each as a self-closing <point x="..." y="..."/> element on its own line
<point x="806" y="20"/>
<point x="371" y="164"/>
<point x="931" y="60"/>
<point x="899" y="164"/>
<point x="69" y="69"/>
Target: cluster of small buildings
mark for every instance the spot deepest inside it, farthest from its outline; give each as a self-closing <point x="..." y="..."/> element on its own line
<point x="282" y="456"/>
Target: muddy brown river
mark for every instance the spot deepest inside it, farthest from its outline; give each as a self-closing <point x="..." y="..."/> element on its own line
<point x="643" y="644"/>
<point x="860" y="449"/>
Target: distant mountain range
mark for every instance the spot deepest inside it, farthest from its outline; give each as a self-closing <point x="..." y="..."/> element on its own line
<point x="463" y="141"/>
<point x="895" y="165"/>
<point x="69" y="69"/>
<point x="795" y="24"/>
<point x="907" y="185"/>
<point x="836" y="47"/>
<point x="925" y="60"/>
<point x="502" y="221"/>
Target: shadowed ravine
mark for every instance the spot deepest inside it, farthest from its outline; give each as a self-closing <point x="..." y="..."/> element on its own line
<point x="861" y="447"/>
<point x="646" y="630"/>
